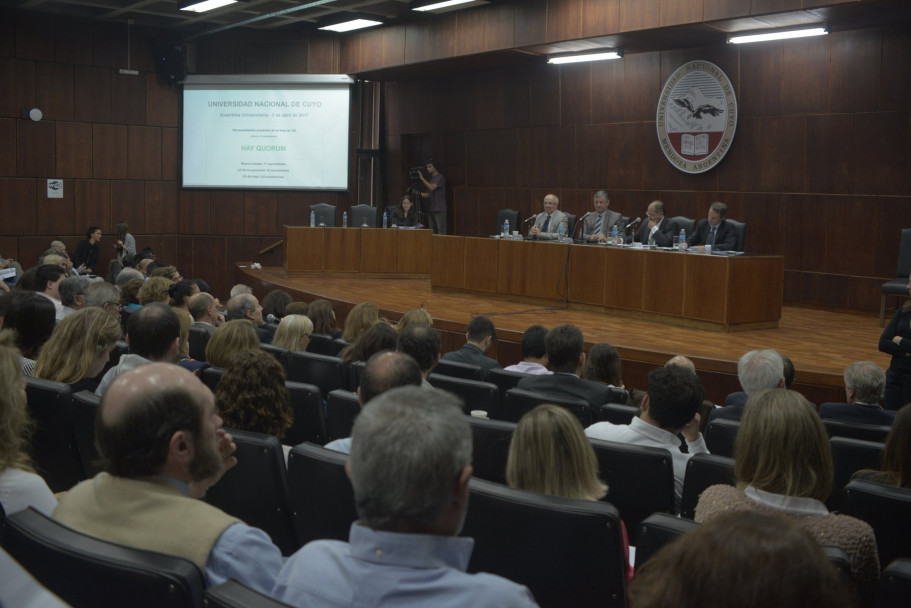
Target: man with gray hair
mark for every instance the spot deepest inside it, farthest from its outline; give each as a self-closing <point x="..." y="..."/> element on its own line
<point x="239" y="289"/>
<point x="548" y="223"/>
<point x="865" y="383"/>
<point x="72" y="293"/>
<point x="756" y="370"/>
<point x="410" y="465"/>
<point x="126" y="275"/>
<point x="101" y="294"/>
<point x="246" y="306"/>
<point x="598" y="224"/>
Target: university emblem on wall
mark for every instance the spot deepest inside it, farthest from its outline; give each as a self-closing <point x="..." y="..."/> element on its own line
<point x="697" y="116"/>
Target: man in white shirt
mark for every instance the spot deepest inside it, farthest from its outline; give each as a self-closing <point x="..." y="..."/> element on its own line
<point x="47" y="282"/>
<point x="534" y="354"/>
<point x="669" y="407"/>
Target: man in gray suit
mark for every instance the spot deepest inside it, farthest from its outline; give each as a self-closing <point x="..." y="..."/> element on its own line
<point x="547" y="224"/>
<point x="599" y="223"/>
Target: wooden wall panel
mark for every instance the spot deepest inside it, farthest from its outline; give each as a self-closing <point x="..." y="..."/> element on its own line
<point x="260" y="214"/>
<point x="725" y="9"/>
<point x="740" y="168"/>
<point x="35" y="36"/>
<point x="8" y="152"/>
<point x="160" y="207"/>
<point x="443" y="35"/>
<point x="36" y="149"/>
<point x="92" y="98"/>
<point x="760" y="82"/>
<point x="170" y="154"/>
<point x="592" y="156"/>
<point x="767" y="218"/>
<point x="371" y="49"/>
<point x="7" y="37"/>
<point x="545" y="106"/>
<point x="600" y="17"/>
<point x="564" y="19"/>
<point x="470" y="32"/>
<point x="641" y="86"/>
<point x="93" y="206"/>
<point x="560" y="163"/>
<point x="54" y="84"/>
<point x="17" y="206"/>
<point x="322" y="55"/>
<point x="805" y="242"/>
<point x="856" y="71"/>
<point x="607" y="91"/>
<point x="805" y="71"/>
<point x="228" y="216"/>
<point x="896" y="81"/>
<point x="19" y="88"/>
<point x="55" y="215"/>
<point x="783" y="153"/>
<point x="678" y="12"/>
<point x="830" y="153"/>
<point x="128" y="205"/>
<point x="74" y="149"/>
<point x="491" y="158"/>
<point x="845" y="214"/>
<point x="109" y="151"/>
<point x="193" y="211"/>
<point x="531" y="146"/>
<point x="464" y="212"/>
<point x="72" y="44"/>
<point x="531" y="22"/>
<point x="110" y="44"/>
<point x="162" y="103"/>
<point x="576" y="92"/>
<point x="292" y="209"/>
<point x="762" y="7"/>
<point x="144" y="149"/>
<point x="128" y="99"/>
<point x="499" y="26"/>
<point x="882" y="153"/>
<point x="639" y="14"/>
<point x="625" y="156"/>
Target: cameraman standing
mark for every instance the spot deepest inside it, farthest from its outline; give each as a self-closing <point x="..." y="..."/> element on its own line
<point x="436" y="195"/>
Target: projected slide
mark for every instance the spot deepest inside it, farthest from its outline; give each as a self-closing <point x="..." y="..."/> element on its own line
<point x="266" y="136"/>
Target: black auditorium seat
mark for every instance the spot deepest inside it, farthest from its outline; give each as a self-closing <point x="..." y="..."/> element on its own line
<point x="255" y="490"/>
<point x="475" y="395"/>
<point x="720" y="435"/>
<point x="867" y="432"/>
<point x="887" y="509"/>
<point x="309" y="415"/>
<point x="321" y="493"/>
<point x="520" y="401"/>
<point x="321" y="344"/>
<point x="459" y="370"/>
<point x="849" y="456"/>
<point x="894" y="586"/>
<point x="198" y="340"/>
<point x="504" y="380"/>
<point x="85" y="409"/>
<point x="702" y="471"/>
<point x="567" y="552"/>
<point x="328" y="373"/>
<point x="618" y="413"/>
<point x="282" y="355"/>
<point x="57" y="459"/>
<point x="87" y="572"/>
<point x="211" y="376"/>
<point x="657" y="530"/>
<point x="342" y="407"/>
<point x="490" y="448"/>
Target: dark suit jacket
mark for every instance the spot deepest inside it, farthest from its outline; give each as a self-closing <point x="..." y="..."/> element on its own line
<point x="471" y="354"/>
<point x="860" y="413"/>
<point x="725" y="236"/>
<point x="568" y="386"/>
<point x="728" y="412"/>
<point x="664" y="236"/>
<point x="611" y="219"/>
<point x="265" y="336"/>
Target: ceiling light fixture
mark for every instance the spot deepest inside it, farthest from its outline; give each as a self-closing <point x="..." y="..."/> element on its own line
<point x="777" y="35"/>
<point x="351" y="24"/>
<point x="437" y="6"/>
<point x="206" y="5"/>
<point x="601" y="55"/>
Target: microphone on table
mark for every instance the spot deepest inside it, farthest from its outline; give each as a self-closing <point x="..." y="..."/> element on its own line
<point x="531" y="219"/>
<point x="581" y="222"/>
<point x="635" y="222"/>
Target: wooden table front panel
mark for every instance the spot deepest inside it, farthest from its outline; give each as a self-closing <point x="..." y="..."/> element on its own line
<point x="624" y="278"/>
<point x="448" y="262"/>
<point x="306" y="249"/>
<point x="587" y="268"/>
<point x="413" y="256"/>
<point x="343" y="250"/>
<point x="481" y="268"/>
<point x="665" y="281"/>
<point x="706" y="296"/>
<point x="755" y="289"/>
<point x="379" y="250"/>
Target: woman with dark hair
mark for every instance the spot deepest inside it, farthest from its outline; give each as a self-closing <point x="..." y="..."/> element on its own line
<point x="31" y="316"/>
<point x="896" y="469"/>
<point x="274" y="304"/>
<point x="252" y="396"/>
<point x="323" y="317"/>
<point x="896" y="341"/>
<point x="603" y="366"/>
<point x="85" y="259"/>
<point x="359" y="320"/>
<point x="125" y="244"/>
<point x="180" y="294"/>
<point x="404" y="214"/>
<point x="129" y="294"/>
<point x="380" y="336"/>
<point x="783" y="466"/>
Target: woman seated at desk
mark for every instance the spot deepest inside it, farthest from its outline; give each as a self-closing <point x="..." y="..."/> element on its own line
<point x="404" y="214"/>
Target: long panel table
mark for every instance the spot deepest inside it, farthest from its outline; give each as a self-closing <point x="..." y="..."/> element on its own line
<point x="726" y="293"/>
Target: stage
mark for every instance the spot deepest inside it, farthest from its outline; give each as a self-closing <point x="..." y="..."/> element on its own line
<point x="820" y="343"/>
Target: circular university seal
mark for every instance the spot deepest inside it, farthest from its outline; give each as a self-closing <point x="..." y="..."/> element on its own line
<point x="697" y="116"/>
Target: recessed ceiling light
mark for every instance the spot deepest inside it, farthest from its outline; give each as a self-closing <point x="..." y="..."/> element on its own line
<point x="207" y="5"/>
<point x="779" y="35"/>
<point x="580" y="57"/>
<point x="352" y="24"/>
<point x="441" y="6"/>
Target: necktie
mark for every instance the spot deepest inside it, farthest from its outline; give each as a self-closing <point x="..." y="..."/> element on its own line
<point x="598" y="225"/>
<point x="711" y="239"/>
<point x="546" y="224"/>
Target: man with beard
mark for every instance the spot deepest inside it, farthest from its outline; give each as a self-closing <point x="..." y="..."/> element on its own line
<point x="162" y="446"/>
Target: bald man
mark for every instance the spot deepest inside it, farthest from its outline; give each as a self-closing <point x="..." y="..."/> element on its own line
<point x="162" y="446"/>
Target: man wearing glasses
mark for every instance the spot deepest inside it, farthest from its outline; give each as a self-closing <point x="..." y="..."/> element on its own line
<point x="658" y="228"/>
<point x="548" y="223"/>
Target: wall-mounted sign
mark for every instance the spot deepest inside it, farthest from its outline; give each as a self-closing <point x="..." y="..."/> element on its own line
<point x="697" y="116"/>
<point x="55" y="188"/>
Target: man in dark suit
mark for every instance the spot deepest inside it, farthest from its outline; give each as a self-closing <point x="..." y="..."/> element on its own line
<point x="480" y="335"/>
<point x="756" y="370"/>
<point x="714" y="231"/>
<point x="204" y="309"/>
<point x="565" y="351"/>
<point x="598" y="225"/>
<point x="658" y="227"/>
<point x="865" y="383"/>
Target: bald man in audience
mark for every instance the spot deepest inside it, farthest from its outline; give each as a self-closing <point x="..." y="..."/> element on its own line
<point x="204" y="309"/>
<point x="162" y="446"/>
<point x="385" y="370"/>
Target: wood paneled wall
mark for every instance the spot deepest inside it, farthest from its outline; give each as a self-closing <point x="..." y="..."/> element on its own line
<point x="820" y="168"/>
<point x="116" y="142"/>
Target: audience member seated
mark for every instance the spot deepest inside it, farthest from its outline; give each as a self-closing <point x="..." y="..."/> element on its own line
<point x="155" y="289"/>
<point x="104" y="296"/>
<point x="85" y="258"/>
<point x="162" y="447"/>
<point x="129" y="295"/>
<point x="784" y="466"/>
<point x="865" y="383"/>
<point x="740" y="559"/>
<point x="20" y="487"/>
<point x="423" y="343"/>
<point x="360" y="319"/>
<point x="756" y="370"/>
<point x="549" y="454"/>
<point x="274" y="305"/>
<point x="669" y="407"/>
<point x="896" y="468"/>
<point x="380" y="336"/>
<point x="153" y="334"/>
<point x="404" y="213"/>
<point x="707" y="407"/>
<point x="480" y="335"/>
<point x="231" y="338"/>
<point x="323" y="318"/>
<point x="405" y="548"/>
<point x="168" y="272"/>
<point x="297" y="308"/>
<point x="603" y="366"/>
<point x="31" y="316"/>
<point x="549" y="222"/>
<point x="47" y="283"/>
<point x="180" y="294"/>
<point x="204" y="310"/>
<point x="418" y="316"/>
<point x="72" y="293"/>
<point x="657" y="227"/>
<point x="252" y="396"/>
<point x="78" y="349"/>
<point x="384" y="371"/>
<point x="246" y="306"/>
<point x="564" y="345"/>
<point x="714" y="230"/>
<point x="534" y="355"/>
<point x="239" y="289"/>
<point x="293" y="332"/>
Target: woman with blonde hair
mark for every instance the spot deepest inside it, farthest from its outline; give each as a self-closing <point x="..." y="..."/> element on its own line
<point x="418" y="316"/>
<point x="20" y="487"/>
<point x="154" y="290"/>
<point x="228" y="340"/>
<point x="359" y="320"/>
<point x="180" y="294"/>
<point x="896" y="469"/>
<point x="550" y="454"/>
<point x="293" y="333"/>
<point x="784" y="467"/>
<point x="79" y="348"/>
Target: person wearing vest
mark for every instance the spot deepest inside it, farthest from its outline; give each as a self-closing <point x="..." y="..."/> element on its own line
<point x="162" y="446"/>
